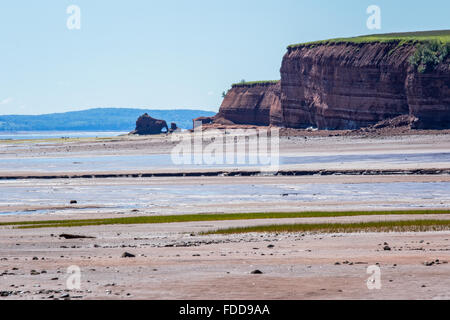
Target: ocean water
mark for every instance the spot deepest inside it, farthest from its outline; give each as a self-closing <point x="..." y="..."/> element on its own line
<point x="37" y="135"/>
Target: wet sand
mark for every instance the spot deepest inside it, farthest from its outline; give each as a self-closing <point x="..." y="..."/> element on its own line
<point x="116" y="197"/>
<point x="304" y="144"/>
<point x="173" y="262"/>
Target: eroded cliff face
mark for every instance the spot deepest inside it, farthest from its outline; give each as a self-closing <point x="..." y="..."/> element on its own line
<point x="428" y="96"/>
<point x="348" y="86"/>
<point x="256" y="104"/>
<point x="345" y="86"/>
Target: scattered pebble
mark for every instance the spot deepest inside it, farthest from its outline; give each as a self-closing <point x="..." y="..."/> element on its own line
<point x="128" y="255"/>
<point x="256" y="272"/>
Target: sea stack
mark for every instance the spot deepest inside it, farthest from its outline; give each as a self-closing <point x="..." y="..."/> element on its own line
<point x="147" y="125"/>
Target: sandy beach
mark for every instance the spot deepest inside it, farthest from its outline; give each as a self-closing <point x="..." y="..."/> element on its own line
<point x="171" y="264"/>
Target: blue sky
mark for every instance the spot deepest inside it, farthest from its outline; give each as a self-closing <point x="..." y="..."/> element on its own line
<point x="170" y="54"/>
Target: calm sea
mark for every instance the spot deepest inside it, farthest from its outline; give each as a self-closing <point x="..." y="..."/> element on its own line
<point x="36" y="135"/>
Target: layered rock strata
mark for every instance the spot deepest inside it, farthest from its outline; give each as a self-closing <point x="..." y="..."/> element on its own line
<point x="344" y="85"/>
<point x="252" y="103"/>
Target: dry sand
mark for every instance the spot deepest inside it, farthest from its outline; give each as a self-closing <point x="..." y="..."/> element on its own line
<point x="172" y="264"/>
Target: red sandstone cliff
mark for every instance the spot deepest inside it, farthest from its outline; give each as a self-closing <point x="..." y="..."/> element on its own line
<point x="347" y="86"/>
<point x="428" y="96"/>
<point x="344" y="86"/>
<point x="252" y="103"/>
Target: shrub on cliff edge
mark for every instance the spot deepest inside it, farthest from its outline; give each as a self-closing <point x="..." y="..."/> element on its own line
<point x="427" y="56"/>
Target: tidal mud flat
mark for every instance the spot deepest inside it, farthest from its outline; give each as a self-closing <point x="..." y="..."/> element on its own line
<point x="135" y="175"/>
<point x="100" y="198"/>
<point x="173" y="261"/>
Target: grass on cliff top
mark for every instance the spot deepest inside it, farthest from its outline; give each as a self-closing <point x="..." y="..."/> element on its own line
<point x="379" y="226"/>
<point x="208" y="217"/>
<point x="254" y="83"/>
<point x="442" y="36"/>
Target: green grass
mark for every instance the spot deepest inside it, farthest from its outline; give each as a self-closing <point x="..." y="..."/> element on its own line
<point x="442" y="36"/>
<point x="380" y="226"/>
<point x="208" y="217"/>
<point x="254" y="83"/>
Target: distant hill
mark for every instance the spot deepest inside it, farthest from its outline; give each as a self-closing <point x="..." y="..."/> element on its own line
<point x="100" y="119"/>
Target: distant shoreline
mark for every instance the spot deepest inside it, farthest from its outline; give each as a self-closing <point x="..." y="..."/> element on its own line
<point x="97" y="120"/>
